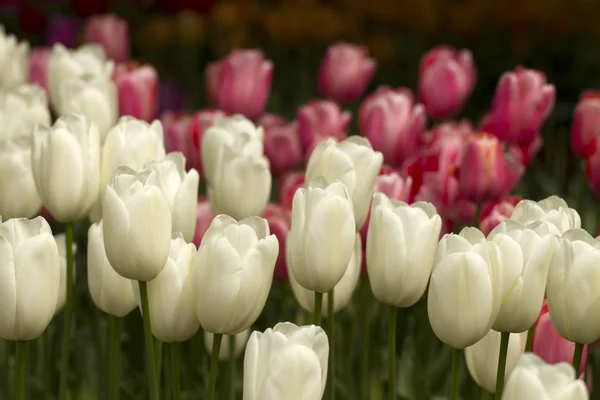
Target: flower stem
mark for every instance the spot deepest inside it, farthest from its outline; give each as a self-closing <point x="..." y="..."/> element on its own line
<point x="175" y="361"/>
<point x="115" y="325"/>
<point x="69" y="315"/>
<point x="504" y="338"/>
<point x="166" y="386"/>
<point x="392" y="322"/>
<point x="331" y="333"/>
<point x="20" y="374"/>
<point x="455" y="383"/>
<point x="577" y="358"/>
<point x="232" y="367"/>
<point x="529" y="343"/>
<point x="485" y="395"/>
<point x="214" y="365"/>
<point x="149" y="342"/>
<point x="318" y="308"/>
<point x="366" y="340"/>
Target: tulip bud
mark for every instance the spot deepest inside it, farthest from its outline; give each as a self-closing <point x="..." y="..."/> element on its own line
<point x="240" y="83"/>
<point x="282" y="146"/>
<point x="21" y="109"/>
<point x="204" y="216"/>
<point x="552" y="210"/>
<point x="66" y="166"/>
<point x="14" y="64"/>
<point x="586" y="122"/>
<point x="181" y="189"/>
<point x="38" y="66"/>
<point x="286" y="357"/>
<point x="239" y="344"/>
<point x="288" y="184"/>
<point x="399" y="266"/>
<point x="62" y="254"/>
<point x="532" y="378"/>
<point x="319" y="260"/>
<point x="496" y="212"/>
<point x="137" y="224"/>
<point x="279" y="220"/>
<point x="320" y="119"/>
<point x="112" y="33"/>
<point x="482" y="357"/>
<point x="137" y="87"/>
<point x="31" y="266"/>
<point x="110" y="292"/>
<point x="446" y="79"/>
<point x="230" y="253"/>
<point x="345" y="72"/>
<point x="393" y="123"/>
<point x="354" y="163"/>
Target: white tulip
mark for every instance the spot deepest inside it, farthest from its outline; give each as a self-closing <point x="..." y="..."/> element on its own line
<point x="14" y="61"/>
<point x="353" y="162"/>
<point x="552" y="210"/>
<point x="137" y="224"/>
<point x="171" y="295"/>
<point x="574" y="287"/>
<point x="66" y="166"/>
<point x="18" y="193"/>
<point x="21" y="109"/>
<point x="321" y="236"/>
<point x="29" y="278"/>
<point x="401" y="244"/>
<point x="482" y="357"/>
<point x="529" y="249"/>
<point x="61" y="242"/>
<point x="286" y="362"/>
<point x="233" y="273"/>
<point x="110" y="292"/>
<point x="342" y="292"/>
<point x="239" y="343"/>
<point x="534" y="379"/>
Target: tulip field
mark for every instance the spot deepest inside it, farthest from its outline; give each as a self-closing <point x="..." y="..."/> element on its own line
<point x="375" y="246"/>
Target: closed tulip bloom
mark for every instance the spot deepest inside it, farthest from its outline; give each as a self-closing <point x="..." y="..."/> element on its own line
<point x="552" y="210"/>
<point x="482" y="357"/>
<point x="137" y="87"/>
<point x="286" y="362"/>
<point x="14" y="61"/>
<point x="345" y="72"/>
<point x="573" y="300"/>
<point x="342" y="292"/>
<point x="110" y="32"/>
<point x="239" y="344"/>
<point x="66" y="166"/>
<point x="464" y="292"/>
<point x="39" y="58"/>
<point x="171" y="295"/>
<point x="18" y="194"/>
<point x="110" y="292"/>
<point x="586" y="122"/>
<point x="532" y="378"/>
<point x="233" y="273"/>
<point x="181" y="189"/>
<point x="62" y="253"/>
<point x="401" y="245"/>
<point x="321" y="119"/>
<point x="321" y="239"/>
<point x="354" y="163"/>
<point x="30" y="278"/>
<point x="282" y="147"/>
<point x="21" y="109"/>
<point x="137" y="224"/>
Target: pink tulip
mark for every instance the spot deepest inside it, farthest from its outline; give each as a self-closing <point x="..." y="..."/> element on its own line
<point x="203" y="219"/>
<point x="287" y="186"/>
<point x="526" y="152"/>
<point x="321" y="119"/>
<point x="279" y="221"/>
<point x="496" y="212"/>
<point x="38" y="66"/>
<point x="240" y="83"/>
<point x="393" y="123"/>
<point x="446" y="79"/>
<point x="201" y="121"/>
<point x="586" y="122"/>
<point x="281" y="143"/>
<point x="522" y="101"/>
<point x="345" y="72"/>
<point x="592" y="165"/>
<point x="112" y="33"/>
<point x="138" y="90"/>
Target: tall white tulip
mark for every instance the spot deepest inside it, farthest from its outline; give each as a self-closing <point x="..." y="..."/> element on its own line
<point x="286" y="362"/>
<point x="342" y="292"/>
<point x="62" y="253"/>
<point x="66" y="166"/>
<point x="171" y="295"/>
<point x="233" y="273"/>
<point x="110" y="292"/>
<point x="401" y="244"/>
<point x="322" y="235"/>
<point x="482" y="357"/>
<point x="529" y="249"/>
<point x="534" y="379"/>
<point x="353" y="162"/>
<point x="464" y="293"/>
<point x="29" y="278"/>
<point x="21" y="109"/>
<point x="552" y="210"/>
<point x="239" y="343"/>
<point x="18" y="193"/>
<point x="14" y="61"/>
<point x="573" y="287"/>
<point x="137" y="224"/>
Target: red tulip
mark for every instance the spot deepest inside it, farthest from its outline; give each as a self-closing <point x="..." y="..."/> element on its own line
<point x="586" y="122"/>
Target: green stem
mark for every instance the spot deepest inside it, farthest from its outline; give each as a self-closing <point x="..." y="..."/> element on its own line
<point x="392" y="322"/>
<point x="115" y="326"/>
<point x="20" y="374"/>
<point x="455" y="383"/>
<point x="504" y="338"/>
<point x="318" y="309"/>
<point x="166" y="369"/>
<point x="529" y="343"/>
<point x="331" y="333"/>
<point x="47" y="350"/>
<point x="158" y="351"/>
<point x="149" y="342"/>
<point x="577" y="358"/>
<point x="69" y="315"/>
<point x="366" y="341"/>
<point x="214" y="365"/>
<point x="232" y="367"/>
<point x="175" y="368"/>
<point x="485" y="395"/>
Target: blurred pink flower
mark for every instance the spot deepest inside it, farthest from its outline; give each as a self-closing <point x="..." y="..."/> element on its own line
<point x="586" y="122"/>
<point x="287" y="185"/>
<point x="281" y="143"/>
<point x="38" y="66"/>
<point x="203" y="219"/>
<point x="138" y="90"/>
<point x="496" y="212"/>
<point x="112" y="33"/>
<point x="321" y="119"/>
<point x="279" y="220"/>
